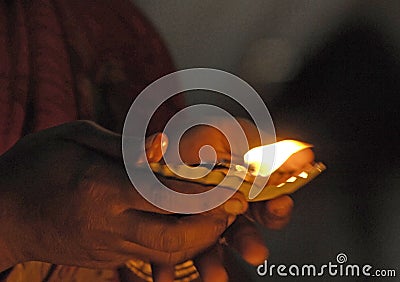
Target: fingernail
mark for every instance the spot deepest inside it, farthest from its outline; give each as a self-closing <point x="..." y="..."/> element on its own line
<point x="164" y="143"/>
<point x="234" y="206"/>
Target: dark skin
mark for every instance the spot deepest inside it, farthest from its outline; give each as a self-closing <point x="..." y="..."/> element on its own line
<point x="65" y="202"/>
<point x="66" y="199"/>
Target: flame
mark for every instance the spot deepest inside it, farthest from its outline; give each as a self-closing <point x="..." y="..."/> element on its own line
<point x="264" y="160"/>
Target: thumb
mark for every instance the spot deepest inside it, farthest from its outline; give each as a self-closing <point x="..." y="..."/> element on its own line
<point x="155" y="147"/>
<point x="91" y="135"/>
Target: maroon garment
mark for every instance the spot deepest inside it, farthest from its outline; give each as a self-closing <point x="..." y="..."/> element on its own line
<point x="62" y="60"/>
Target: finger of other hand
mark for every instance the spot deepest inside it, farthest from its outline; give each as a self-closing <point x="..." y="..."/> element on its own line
<point x="171" y="233"/>
<point x="275" y="213"/>
<point x="163" y="272"/>
<point x="210" y="265"/>
<point x="244" y="237"/>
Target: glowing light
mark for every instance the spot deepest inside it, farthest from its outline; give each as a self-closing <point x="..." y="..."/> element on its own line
<point x="303" y="174"/>
<point x="264" y="160"/>
<point x="240" y="168"/>
<point x="292" y="179"/>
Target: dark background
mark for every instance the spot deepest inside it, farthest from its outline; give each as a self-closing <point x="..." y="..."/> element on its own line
<point x="341" y="94"/>
<point x="345" y="101"/>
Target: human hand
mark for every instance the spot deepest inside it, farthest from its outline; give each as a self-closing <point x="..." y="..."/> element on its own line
<point x="66" y="199"/>
<point x="243" y="234"/>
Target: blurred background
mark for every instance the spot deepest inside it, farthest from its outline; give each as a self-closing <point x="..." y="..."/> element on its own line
<point x="329" y="72"/>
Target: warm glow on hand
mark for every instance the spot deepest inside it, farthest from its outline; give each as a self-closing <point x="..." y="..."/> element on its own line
<point x="293" y="166"/>
<point x="265" y="160"/>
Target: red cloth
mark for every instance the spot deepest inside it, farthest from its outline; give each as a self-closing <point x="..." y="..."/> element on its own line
<point x="62" y="60"/>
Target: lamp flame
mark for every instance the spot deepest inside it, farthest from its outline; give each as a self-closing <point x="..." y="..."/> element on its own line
<point x="264" y="160"/>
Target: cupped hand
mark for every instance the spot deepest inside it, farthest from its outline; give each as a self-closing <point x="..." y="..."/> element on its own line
<point x="66" y="199"/>
<point x="243" y="235"/>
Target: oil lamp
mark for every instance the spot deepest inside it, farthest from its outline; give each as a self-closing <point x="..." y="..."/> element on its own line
<point x="249" y="177"/>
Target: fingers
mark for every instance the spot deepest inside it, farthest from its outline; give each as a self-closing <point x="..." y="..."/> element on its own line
<point x="155" y="146"/>
<point x="172" y="233"/>
<point x="298" y="160"/>
<point x="169" y="233"/>
<point x="244" y="237"/>
<point x="293" y="166"/>
<point x="235" y="206"/>
<point x="279" y="211"/>
<point x="210" y="265"/>
<point x="133" y="200"/>
<point x="163" y="272"/>
<point x="274" y="214"/>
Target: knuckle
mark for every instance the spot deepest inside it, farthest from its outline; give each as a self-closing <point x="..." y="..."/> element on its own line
<point x="173" y="258"/>
<point x="169" y="240"/>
